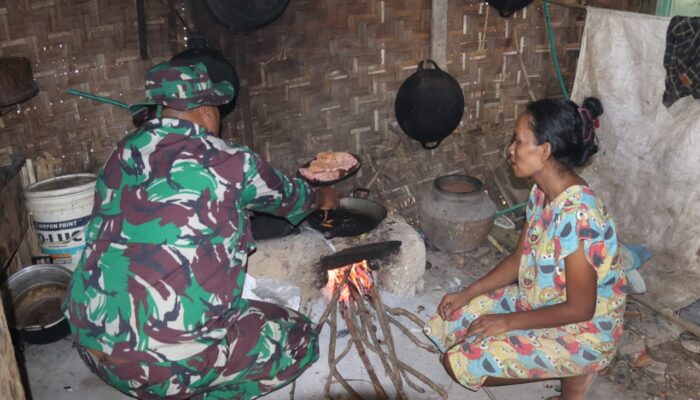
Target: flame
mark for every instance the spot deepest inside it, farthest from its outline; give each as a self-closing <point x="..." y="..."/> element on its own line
<point x="360" y="278"/>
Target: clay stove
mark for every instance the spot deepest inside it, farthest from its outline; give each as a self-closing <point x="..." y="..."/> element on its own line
<point x="297" y="259"/>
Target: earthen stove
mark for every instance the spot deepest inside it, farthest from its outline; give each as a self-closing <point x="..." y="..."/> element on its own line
<point x="296" y="259"/>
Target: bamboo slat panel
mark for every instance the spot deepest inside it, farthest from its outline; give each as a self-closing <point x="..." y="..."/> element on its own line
<point x="89" y="45"/>
<point x="325" y="75"/>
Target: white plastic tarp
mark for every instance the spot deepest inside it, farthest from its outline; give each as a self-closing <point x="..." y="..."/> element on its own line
<point x="648" y="166"/>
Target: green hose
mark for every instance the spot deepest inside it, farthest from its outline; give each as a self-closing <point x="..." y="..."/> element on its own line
<point x="510" y="209"/>
<point x="553" y="48"/>
<point x="98" y="98"/>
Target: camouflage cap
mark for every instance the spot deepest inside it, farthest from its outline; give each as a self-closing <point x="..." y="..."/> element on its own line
<point x="183" y="86"/>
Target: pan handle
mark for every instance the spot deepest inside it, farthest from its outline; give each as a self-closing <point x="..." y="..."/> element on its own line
<point x="360" y="193"/>
<point x="428" y="146"/>
<point x="421" y="64"/>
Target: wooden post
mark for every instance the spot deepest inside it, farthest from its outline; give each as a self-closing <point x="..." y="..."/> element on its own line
<point x="438" y="33"/>
<point x="10" y="379"/>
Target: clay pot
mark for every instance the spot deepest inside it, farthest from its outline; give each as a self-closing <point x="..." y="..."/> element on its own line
<point x="457" y="214"/>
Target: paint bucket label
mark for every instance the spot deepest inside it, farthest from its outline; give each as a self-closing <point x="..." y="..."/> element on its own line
<point x="64" y="241"/>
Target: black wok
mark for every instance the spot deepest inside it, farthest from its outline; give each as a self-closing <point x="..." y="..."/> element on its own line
<point x="354" y="217"/>
<point x="429" y="105"/>
<point x="247" y="15"/>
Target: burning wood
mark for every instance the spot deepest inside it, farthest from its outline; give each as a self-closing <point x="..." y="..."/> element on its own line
<point x="352" y="292"/>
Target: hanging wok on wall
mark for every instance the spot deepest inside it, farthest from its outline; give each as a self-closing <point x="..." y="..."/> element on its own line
<point x="507" y="7"/>
<point x="429" y="105"/>
<point x="247" y="15"/>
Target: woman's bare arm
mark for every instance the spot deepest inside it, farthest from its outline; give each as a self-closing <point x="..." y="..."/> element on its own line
<point x="580" y="304"/>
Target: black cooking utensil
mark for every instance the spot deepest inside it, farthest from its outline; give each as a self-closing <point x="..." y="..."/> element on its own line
<point x="360" y="253"/>
<point x="343" y="175"/>
<point x="429" y="105"/>
<point x="353" y="217"/>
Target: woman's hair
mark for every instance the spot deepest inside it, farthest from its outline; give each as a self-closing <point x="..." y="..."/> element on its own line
<point x="570" y="129"/>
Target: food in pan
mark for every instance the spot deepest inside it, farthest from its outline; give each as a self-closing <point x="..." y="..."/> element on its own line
<point x="328" y="166"/>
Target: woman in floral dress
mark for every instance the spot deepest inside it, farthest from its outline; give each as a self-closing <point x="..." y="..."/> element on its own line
<point x="553" y="308"/>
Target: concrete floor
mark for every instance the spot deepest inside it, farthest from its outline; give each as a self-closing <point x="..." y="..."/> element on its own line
<point x="56" y="372"/>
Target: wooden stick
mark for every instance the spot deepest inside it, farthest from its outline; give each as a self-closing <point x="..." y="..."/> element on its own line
<point x="411" y="336"/>
<point x="402" y="311"/>
<point x="331" y="349"/>
<point x="437" y="388"/>
<point x="334" y="300"/>
<point x="482" y="45"/>
<point x="410" y="383"/>
<point x="388" y="337"/>
<point x="407" y="369"/>
<point x="496" y="245"/>
<point x="490" y="394"/>
<point x="388" y="369"/>
<point x="668" y="314"/>
<point x="353" y="394"/>
<point x="516" y="41"/>
<point x="294" y="388"/>
<point x="363" y="356"/>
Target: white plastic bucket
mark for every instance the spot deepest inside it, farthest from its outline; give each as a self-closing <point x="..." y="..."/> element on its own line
<point x="60" y="208"/>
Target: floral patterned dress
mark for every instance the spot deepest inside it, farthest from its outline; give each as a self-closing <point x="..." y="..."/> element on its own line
<point x="554" y="232"/>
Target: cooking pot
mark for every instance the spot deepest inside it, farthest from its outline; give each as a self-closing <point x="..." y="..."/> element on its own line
<point x="247" y="15"/>
<point x="36" y="293"/>
<point x="507" y="7"/>
<point x="353" y="217"/>
<point x="429" y="105"/>
<point x="218" y="67"/>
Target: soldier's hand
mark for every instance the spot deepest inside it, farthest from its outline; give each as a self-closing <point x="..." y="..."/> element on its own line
<point x="327" y="198"/>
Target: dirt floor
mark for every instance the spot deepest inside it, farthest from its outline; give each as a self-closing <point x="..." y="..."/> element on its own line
<point x="652" y="364"/>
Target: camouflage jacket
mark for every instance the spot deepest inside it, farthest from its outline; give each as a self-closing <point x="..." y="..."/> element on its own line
<point x="168" y="242"/>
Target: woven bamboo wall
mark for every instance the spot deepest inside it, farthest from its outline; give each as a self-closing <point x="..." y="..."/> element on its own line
<point x="89" y="45"/>
<point x="325" y="75"/>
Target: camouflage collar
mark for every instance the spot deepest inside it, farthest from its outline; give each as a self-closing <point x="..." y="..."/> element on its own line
<point x="178" y="126"/>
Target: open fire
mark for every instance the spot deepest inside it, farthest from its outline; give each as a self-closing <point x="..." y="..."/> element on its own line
<point x="360" y="280"/>
<point x="354" y="296"/>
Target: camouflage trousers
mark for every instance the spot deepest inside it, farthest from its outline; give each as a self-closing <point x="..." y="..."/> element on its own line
<point x="269" y="347"/>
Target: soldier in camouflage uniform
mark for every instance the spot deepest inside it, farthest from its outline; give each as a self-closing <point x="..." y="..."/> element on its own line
<point x="155" y="303"/>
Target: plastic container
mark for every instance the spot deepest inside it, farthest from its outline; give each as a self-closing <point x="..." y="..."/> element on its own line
<point x="61" y="208"/>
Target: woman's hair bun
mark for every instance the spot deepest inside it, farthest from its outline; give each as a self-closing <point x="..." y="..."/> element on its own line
<point x="594" y="106"/>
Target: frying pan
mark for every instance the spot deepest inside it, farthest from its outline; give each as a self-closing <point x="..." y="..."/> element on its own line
<point x="429" y="105"/>
<point x="353" y="217"/>
<point x="246" y="15"/>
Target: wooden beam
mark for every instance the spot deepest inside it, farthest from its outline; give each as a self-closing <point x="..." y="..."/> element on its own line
<point x="438" y="33"/>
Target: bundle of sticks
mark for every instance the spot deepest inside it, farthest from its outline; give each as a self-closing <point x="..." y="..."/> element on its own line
<point x="364" y="336"/>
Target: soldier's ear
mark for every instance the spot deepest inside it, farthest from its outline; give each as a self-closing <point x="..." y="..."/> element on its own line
<point x="210" y="111"/>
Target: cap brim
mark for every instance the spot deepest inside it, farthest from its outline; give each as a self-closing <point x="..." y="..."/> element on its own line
<point x="223" y="94"/>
